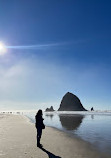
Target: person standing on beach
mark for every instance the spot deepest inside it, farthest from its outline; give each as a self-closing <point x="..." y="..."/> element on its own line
<point x="39" y="126"/>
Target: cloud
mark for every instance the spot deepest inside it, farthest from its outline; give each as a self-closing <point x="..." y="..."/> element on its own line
<point x="39" y="81"/>
<point x="42" y="46"/>
<point x="29" y="80"/>
<point x="28" y="84"/>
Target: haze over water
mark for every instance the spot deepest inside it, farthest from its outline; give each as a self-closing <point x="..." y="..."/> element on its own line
<point x="93" y="127"/>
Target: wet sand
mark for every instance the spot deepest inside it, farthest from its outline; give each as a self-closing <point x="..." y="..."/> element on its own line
<point x="18" y="140"/>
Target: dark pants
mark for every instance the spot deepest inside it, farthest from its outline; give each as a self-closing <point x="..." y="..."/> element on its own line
<point x="39" y="134"/>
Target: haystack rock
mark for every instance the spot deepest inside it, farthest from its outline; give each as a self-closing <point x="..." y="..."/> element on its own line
<point x="50" y="109"/>
<point x="70" y="102"/>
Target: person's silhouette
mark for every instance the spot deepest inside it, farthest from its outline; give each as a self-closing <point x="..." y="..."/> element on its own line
<point x="39" y="126"/>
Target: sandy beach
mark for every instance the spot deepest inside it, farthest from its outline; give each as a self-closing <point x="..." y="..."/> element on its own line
<point x="18" y="140"/>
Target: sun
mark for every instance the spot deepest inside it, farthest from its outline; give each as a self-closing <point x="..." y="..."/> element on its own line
<point x="2" y="48"/>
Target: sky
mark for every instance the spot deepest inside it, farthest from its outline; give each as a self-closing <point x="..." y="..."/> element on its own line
<point x="55" y="47"/>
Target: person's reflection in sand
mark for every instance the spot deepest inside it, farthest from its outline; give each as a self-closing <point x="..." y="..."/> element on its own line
<point x="50" y="154"/>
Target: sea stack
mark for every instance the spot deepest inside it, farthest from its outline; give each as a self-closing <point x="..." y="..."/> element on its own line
<point x="71" y="102"/>
<point x="50" y="109"/>
<point x="92" y="109"/>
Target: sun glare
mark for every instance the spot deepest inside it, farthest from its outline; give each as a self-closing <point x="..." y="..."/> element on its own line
<point x="2" y="48"/>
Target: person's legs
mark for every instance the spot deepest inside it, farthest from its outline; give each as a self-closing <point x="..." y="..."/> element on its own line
<point x="39" y="133"/>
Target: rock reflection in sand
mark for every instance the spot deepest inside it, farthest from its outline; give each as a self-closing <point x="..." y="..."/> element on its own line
<point x="94" y="127"/>
<point x="64" y="121"/>
<point x="70" y="122"/>
<point x="49" y="115"/>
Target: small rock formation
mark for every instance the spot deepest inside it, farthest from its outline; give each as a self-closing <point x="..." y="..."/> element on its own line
<point x="70" y="102"/>
<point x="92" y="109"/>
<point x="50" y="109"/>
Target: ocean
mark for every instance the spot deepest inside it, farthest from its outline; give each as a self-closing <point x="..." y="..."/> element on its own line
<point x="93" y="127"/>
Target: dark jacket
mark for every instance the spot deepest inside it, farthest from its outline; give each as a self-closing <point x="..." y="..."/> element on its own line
<point x="39" y="122"/>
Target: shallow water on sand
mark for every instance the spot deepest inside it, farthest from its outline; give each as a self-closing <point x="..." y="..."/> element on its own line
<point x="90" y="126"/>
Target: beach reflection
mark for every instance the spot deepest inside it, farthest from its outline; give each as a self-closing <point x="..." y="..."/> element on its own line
<point x="92" y="116"/>
<point x="49" y="115"/>
<point x="71" y="122"/>
<point x="91" y="127"/>
<point x="64" y="121"/>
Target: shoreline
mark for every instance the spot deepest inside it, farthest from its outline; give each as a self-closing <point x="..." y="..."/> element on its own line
<point x="72" y="135"/>
<point x="18" y="139"/>
<point x="96" y="144"/>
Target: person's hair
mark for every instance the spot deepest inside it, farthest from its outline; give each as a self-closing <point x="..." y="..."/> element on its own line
<point x="39" y="113"/>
